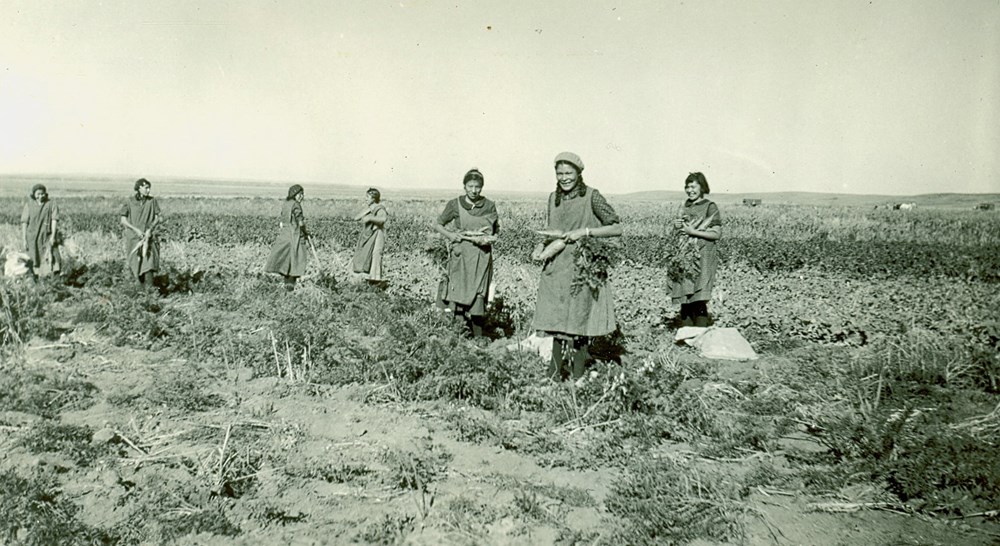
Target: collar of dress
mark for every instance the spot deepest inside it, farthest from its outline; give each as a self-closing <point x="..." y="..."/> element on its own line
<point x="470" y="204"/>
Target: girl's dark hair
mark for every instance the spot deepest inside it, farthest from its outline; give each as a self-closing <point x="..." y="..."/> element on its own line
<point x="293" y="190"/>
<point x="473" y="174"/>
<point x="580" y="189"/>
<point x="138" y="184"/>
<point x="375" y="194"/>
<point x="36" y="187"/>
<point x="700" y="179"/>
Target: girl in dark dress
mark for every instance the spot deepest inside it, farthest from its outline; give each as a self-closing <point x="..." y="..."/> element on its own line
<point x="289" y="254"/>
<point x="140" y="216"/>
<point x="371" y="241"/>
<point x="699" y="220"/>
<point x="571" y="316"/>
<point x="38" y="230"/>
<point x="470" y="260"/>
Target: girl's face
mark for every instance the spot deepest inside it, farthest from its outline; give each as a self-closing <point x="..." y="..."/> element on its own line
<point x="567" y="176"/>
<point x="473" y="188"/>
<point x="38" y="195"/>
<point x="370" y="199"/>
<point x="300" y="196"/>
<point x="693" y="190"/>
<point x="144" y="189"/>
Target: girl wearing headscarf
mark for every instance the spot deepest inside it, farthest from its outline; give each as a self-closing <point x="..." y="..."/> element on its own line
<point x="698" y="219"/>
<point x="371" y="240"/>
<point x="573" y="316"/>
<point x="474" y="226"/>
<point x="140" y="216"/>
<point x="289" y="253"/>
<point x="38" y="230"/>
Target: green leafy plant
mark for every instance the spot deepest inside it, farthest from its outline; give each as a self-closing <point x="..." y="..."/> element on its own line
<point x="593" y="260"/>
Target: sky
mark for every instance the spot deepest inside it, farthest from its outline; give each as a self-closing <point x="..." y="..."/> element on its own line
<point x="879" y="97"/>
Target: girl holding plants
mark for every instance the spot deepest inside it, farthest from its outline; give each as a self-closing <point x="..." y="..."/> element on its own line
<point x="573" y="315"/>
<point x="475" y="225"/>
<point x="368" y="252"/>
<point x="289" y="253"/>
<point x="699" y="225"/>
<point x="139" y="216"/>
<point x="38" y="230"/>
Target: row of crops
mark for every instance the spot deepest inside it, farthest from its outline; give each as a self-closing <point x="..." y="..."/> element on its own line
<point x="865" y="259"/>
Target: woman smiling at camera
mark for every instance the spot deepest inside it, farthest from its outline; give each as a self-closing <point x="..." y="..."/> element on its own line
<point x="573" y="316"/>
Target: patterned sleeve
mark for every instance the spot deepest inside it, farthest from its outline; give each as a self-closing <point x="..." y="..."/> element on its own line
<point x="25" y="214"/>
<point x="713" y="213"/>
<point x="449" y="213"/>
<point x="603" y="210"/>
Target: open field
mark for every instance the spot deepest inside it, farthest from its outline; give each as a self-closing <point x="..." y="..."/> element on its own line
<point x="219" y="410"/>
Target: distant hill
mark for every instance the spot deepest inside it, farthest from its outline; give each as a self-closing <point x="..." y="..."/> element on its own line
<point x="936" y="200"/>
<point x="17" y="185"/>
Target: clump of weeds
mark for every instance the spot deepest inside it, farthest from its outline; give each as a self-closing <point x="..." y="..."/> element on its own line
<point x="917" y="419"/>
<point x="23" y="315"/>
<point x="178" y="392"/>
<point x="416" y="469"/>
<point x="33" y="512"/>
<point x="71" y="441"/>
<point x="210" y="521"/>
<point x="35" y="392"/>
<point x="468" y="516"/>
<point x="660" y="501"/>
<point x="389" y="529"/>
<point x="336" y="469"/>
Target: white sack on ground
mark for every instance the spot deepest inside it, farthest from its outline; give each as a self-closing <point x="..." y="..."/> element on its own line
<point x="16" y="264"/>
<point x="718" y="343"/>
<point x="541" y="345"/>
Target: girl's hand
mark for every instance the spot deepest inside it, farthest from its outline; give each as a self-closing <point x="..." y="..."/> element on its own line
<point x="575" y="235"/>
<point x="536" y="255"/>
<point x="678" y="223"/>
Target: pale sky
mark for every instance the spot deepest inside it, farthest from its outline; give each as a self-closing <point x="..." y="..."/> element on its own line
<point x="886" y="97"/>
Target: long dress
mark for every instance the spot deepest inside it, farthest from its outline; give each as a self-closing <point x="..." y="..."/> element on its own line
<point x="371" y="242"/>
<point x="698" y="283"/>
<point x="141" y="212"/>
<point x="45" y="259"/>
<point x="470" y="266"/>
<point x="289" y="254"/>
<point x="560" y="309"/>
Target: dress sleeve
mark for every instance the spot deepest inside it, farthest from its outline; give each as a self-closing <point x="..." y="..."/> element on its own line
<point x="449" y="213"/>
<point x="490" y="212"/>
<point x="381" y="214"/>
<point x="156" y="207"/>
<point x="603" y="210"/>
<point x="297" y="217"/>
<point x="123" y="211"/>
<point x="25" y="214"/>
<point x="713" y="213"/>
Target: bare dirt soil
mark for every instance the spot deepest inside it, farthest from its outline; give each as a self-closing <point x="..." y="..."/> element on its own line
<point x="353" y="466"/>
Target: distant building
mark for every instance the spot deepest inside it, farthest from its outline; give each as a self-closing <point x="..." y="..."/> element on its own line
<point x="984" y="206"/>
<point x="751" y="202"/>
